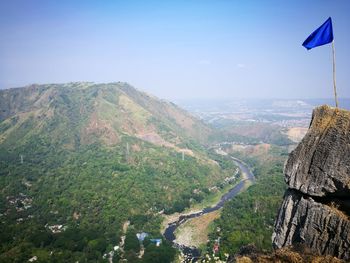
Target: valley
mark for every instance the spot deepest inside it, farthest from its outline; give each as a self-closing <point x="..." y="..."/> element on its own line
<point x="74" y="162"/>
<point x="174" y="131"/>
<point x="78" y="160"/>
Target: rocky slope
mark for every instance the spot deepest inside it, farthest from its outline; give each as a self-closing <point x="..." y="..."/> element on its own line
<point x="316" y="207"/>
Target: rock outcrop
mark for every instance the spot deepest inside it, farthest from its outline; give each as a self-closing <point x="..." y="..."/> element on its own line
<point x="316" y="208"/>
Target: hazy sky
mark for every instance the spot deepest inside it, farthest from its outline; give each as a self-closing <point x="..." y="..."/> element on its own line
<point x="177" y="49"/>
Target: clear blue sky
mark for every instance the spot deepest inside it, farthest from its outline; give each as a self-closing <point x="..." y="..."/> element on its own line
<point x="177" y="49"/>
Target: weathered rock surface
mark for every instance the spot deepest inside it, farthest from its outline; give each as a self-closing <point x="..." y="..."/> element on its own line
<point x="320" y="165"/>
<point x="321" y="227"/>
<point x="316" y="207"/>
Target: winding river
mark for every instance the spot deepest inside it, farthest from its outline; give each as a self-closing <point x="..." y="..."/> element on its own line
<point x="192" y="253"/>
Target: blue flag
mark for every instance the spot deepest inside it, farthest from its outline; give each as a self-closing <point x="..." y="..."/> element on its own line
<point x="321" y="36"/>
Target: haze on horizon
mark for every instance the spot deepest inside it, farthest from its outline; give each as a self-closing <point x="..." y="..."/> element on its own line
<point x="179" y="49"/>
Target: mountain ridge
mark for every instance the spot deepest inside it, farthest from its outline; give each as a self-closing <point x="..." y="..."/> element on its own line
<point x="109" y="111"/>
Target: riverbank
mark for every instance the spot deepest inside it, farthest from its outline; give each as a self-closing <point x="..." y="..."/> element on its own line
<point x="176" y="221"/>
<point x="210" y="201"/>
<point x="194" y="232"/>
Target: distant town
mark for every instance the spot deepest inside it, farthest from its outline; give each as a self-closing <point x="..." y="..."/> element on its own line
<point x="285" y="113"/>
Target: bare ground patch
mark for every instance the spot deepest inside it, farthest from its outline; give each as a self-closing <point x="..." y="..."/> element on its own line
<point x="195" y="231"/>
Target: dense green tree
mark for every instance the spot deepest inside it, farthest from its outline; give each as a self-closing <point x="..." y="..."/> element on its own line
<point x="131" y="241"/>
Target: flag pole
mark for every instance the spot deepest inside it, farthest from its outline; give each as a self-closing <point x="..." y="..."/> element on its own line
<point x="334" y="83"/>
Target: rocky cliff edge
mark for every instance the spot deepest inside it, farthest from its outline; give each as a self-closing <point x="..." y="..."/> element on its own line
<point x="316" y="208"/>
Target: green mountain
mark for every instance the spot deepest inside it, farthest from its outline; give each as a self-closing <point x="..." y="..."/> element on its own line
<point x="79" y="160"/>
<point x="78" y="114"/>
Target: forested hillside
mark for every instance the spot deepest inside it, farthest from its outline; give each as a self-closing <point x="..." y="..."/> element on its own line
<point x="79" y="161"/>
